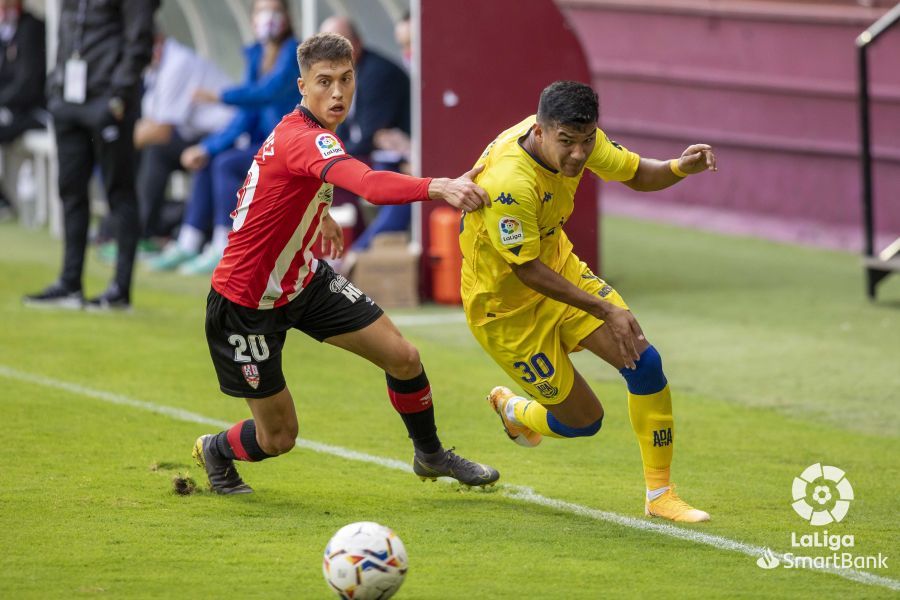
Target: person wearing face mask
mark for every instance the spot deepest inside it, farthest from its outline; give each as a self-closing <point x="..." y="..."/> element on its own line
<point x="22" y="60"/>
<point x="220" y="160"/>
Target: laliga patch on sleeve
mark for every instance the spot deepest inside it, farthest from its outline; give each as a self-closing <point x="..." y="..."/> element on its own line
<point x="511" y="231"/>
<point x="328" y="145"/>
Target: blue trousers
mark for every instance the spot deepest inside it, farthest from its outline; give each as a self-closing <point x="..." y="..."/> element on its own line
<point x="214" y="193"/>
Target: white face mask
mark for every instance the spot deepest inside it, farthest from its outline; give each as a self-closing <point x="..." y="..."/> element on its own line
<point x="268" y="25"/>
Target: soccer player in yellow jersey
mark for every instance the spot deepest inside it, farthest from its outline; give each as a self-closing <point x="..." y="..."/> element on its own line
<point x="530" y="301"/>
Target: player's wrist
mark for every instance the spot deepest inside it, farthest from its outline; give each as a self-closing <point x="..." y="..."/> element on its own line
<point x="673" y="166"/>
<point x="437" y="188"/>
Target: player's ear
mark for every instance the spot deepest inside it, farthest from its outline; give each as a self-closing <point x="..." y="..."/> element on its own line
<point x="301" y="85"/>
<point x="538" y="132"/>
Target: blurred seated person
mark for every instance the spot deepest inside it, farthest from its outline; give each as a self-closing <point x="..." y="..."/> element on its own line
<point x="23" y="66"/>
<point x="220" y="161"/>
<point x="382" y="101"/>
<point x="391" y="152"/>
<point x="171" y="122"/>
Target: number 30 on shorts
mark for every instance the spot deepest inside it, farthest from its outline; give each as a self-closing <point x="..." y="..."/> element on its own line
<point x="540" y="367"/>
<point x="257" y="344"/>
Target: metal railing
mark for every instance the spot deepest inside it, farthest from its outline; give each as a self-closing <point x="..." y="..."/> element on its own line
<point x="888" y="260"/>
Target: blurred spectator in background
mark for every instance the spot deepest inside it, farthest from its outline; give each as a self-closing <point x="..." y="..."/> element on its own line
<point x="403" y="37"/>
<point x="381" y="102"/>
<point x="23" y="62"/>
<point x="382" y="93"/>
<point x="171" y="121"/>
<point x="94" y="96"/>
<point x="221" y="160"/>
<point x="390" y="152"/>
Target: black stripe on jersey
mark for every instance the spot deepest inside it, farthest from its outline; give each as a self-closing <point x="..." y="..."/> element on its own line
<point x="331" y="164"/>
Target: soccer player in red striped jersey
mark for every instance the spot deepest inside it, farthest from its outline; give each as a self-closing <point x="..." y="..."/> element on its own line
<point x="269" y="282"/>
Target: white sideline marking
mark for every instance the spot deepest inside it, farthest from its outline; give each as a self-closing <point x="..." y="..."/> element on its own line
<point x="514" y="492"/>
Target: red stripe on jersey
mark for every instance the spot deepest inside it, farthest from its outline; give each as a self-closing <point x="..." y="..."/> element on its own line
<point x="289" y="281"/>
<point x="309" y="276"/>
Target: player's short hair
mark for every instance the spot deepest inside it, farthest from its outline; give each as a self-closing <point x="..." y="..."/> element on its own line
<point x="332" y="47"/>
<point x="568" y="103"/>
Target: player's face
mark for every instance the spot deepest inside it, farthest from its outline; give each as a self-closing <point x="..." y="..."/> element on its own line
<point x="566" y="148"/>
<point x="328" y="91"/>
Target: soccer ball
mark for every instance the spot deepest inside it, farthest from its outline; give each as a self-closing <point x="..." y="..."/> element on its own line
<point x="364" y="561"/>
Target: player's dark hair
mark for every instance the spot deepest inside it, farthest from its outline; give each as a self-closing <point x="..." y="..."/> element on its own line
<point x="331" y="47"/>
<point x="568" y="103"/>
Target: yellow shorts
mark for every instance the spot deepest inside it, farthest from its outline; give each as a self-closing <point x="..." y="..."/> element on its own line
<point x="533" y="345"/>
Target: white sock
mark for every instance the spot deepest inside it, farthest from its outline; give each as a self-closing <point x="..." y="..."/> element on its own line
<point x="510" y="409"/>
<point x="654" y="494"/>
<point x="220" y="238"/>
<point x="190" y="239"/>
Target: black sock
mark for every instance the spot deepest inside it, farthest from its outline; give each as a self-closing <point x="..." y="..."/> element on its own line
<point x="412" y="399"/>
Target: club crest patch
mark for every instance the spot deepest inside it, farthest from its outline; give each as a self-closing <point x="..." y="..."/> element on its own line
<point x="328" y="145"/>
<point x="546" y="389"/>
<point x="511" y="231"/>
<point x="251" y="374"/>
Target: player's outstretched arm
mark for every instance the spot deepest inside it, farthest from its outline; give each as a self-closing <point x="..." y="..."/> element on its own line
<point x="385" y="187"/>
<point x="461" y="193"/>
<point x="653" y="174"/>
<point x="624" y="327"/>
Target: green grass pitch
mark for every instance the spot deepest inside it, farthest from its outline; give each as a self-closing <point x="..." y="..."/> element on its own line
<point x="776" y="362"/>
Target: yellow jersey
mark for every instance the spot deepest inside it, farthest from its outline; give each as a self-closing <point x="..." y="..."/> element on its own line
<point x="530" y="204"/>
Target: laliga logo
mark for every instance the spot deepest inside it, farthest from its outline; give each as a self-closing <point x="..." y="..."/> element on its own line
<point x="326" y="142"/>
<point x="827" y="482"/>
<point x="509" y="226"/>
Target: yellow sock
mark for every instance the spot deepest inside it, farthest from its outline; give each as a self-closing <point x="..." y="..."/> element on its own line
<point x="533" y="415"/>
<point x="651" y="419"/>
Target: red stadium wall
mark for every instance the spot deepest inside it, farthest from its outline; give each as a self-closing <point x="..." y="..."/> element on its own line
<point x="495" y="57"/>
<point x="771" y="85"/>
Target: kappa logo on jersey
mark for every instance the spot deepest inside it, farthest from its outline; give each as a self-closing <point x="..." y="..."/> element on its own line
<point x="251" y="374"/>
<point x="511" y="231"/>
<point x="547" y="197"/>
<point x="328" y="145"/>
<point x="506" y="199"/>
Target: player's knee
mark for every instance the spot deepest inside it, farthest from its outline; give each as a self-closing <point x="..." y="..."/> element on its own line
<point x="647" y="377"/>
<point x="279" y="442"/>
<point x="572" y="432"/>
<point x="405" y="362"/>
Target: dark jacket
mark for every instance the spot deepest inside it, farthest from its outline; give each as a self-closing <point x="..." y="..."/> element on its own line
<point x="381" y="102"/>
<point x="116" y="42"/>
<point x="23" y="66"/>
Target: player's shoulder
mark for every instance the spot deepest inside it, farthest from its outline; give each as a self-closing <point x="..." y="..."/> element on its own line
<point x="508" y="168"/>
<point x="305" y="134"/>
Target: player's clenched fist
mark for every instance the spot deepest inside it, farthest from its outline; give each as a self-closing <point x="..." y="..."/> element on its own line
<point x="697" y="158"/>
<point x="461" y="193"/>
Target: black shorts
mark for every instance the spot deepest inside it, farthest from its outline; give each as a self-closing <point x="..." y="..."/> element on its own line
<point x="245" y="343"/>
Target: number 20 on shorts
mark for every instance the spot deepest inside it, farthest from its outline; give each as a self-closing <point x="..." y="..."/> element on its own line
<point x="540" y="366"/>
